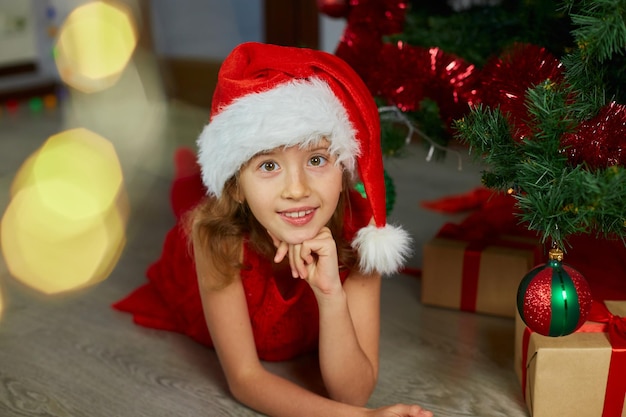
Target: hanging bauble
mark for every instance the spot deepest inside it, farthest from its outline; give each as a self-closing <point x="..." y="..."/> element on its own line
<point x="554" y="299"/>
<point x="333" y="8"/>
<point x="390" y="191"/>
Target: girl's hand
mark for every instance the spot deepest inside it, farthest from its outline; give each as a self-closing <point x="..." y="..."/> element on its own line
<point x="313" y="260"/>
<point x="400" y="410"/>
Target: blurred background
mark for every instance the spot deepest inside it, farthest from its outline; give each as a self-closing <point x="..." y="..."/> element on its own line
<point x="95" y="93"/>
<point x="187" y="39"/>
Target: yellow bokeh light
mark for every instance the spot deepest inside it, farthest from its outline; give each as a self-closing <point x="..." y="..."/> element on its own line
<point x="95" y="44"/>
<point x="75" y="159"/>
<point x="65" y="225"/>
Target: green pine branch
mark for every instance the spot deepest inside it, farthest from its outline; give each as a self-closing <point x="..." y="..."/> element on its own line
<point x="556" y="198"/>
<point x="488" y="134"/>
<point x="601" y="29"/>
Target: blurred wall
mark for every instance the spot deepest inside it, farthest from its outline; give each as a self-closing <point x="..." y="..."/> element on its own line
<point x="206" y="29"/>
<point x="189" y="37"/>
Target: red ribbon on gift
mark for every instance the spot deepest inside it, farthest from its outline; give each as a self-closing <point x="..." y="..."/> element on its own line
<point x="478" y="240"/>
<point x="615" y="326"/>
<point x="471" y="272"/>
<point x="600" y="320"/>
<point x="485" y="227"/>
<point x="471" y="264"/>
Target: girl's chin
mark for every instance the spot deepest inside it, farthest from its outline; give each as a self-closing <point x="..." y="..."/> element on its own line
<point x="296" y="238"/>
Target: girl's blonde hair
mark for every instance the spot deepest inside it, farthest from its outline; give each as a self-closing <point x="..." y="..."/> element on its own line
<point x="218" y="227"/>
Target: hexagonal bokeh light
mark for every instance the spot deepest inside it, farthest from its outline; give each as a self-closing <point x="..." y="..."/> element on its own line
<point x="64" y="227"/>
<point x="94" y="45"/>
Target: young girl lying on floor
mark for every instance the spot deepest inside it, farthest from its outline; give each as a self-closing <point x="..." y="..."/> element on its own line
<point x="286" y="256"/>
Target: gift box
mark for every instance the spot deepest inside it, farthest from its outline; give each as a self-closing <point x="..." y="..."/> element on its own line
<point x="582" y="374"/>
<point x="480" y="275"/>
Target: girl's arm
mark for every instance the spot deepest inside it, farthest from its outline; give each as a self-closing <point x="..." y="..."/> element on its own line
<point x="349" y="317"/>
<point x="349" y="339"/>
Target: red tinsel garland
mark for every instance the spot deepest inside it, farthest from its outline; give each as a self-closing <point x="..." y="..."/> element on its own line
<point x="405" y="75"/>
<point x="506" y="78"/>
<point x="599" y="142"/>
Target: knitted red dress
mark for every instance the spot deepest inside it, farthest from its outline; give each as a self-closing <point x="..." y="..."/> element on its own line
<point x="283" y="311"/>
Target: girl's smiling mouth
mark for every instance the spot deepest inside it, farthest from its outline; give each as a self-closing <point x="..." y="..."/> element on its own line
<point x="298" y="217"/>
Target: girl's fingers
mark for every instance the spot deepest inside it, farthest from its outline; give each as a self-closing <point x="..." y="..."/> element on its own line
<point x="294" y="272"/>
<point x="300" y="256"/>
<point x="298" y="269"/>
<point x="281" y="250"/>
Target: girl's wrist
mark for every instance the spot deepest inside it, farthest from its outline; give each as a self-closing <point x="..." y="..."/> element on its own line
<point x="330" y="298"/>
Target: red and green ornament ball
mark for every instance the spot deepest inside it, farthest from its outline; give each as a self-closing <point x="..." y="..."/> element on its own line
<point x="554" y="299"/>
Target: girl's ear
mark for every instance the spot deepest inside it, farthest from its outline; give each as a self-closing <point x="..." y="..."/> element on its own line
<point x="236" y="193"/>
<point x="232" y="190"/>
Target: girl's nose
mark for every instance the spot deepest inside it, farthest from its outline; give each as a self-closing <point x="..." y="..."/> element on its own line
<point x="296" y="185"/>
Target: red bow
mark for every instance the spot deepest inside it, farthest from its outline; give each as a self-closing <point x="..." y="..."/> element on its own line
<point x="602" y="320"/>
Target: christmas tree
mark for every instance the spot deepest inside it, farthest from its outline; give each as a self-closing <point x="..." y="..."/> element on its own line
<point x="533" y="87"/>
<point x="560" y="145"/>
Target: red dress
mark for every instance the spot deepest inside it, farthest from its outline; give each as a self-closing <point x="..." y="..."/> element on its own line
<point x="283" y="311"/>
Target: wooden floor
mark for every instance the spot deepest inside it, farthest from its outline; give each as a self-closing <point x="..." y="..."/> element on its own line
<point x="72" y="355"/>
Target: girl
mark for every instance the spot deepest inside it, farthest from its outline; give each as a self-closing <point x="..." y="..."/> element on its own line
<point x="287" y="257"/>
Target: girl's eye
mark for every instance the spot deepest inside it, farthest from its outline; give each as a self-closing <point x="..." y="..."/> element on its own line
<point x="318" y="160"/>
<point x="269" y="166"/>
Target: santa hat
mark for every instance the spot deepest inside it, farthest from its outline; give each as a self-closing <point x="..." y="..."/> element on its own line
<point x="270" y="96"/>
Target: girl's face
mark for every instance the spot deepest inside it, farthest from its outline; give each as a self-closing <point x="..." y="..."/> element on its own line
<point x="292" y="192"/>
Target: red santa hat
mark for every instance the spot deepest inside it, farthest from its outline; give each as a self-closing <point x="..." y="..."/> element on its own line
<point x="270" y="96"/>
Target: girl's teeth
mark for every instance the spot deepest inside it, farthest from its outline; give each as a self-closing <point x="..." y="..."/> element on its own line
<point x="297" y="214"/>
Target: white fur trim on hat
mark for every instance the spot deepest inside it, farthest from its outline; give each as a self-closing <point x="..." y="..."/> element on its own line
<point x="298" y="112"/>
<point x="382" y="249"/>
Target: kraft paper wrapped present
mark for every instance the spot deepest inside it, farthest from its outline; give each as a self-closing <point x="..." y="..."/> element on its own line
<point x="582" y="374"/>
<point x="479" y="275"/>
<point x="477" y="264"/>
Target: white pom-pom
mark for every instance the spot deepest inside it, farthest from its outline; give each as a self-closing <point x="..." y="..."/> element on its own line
<point x="382" y="249"/>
